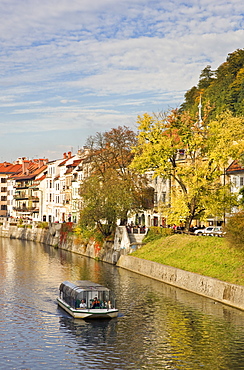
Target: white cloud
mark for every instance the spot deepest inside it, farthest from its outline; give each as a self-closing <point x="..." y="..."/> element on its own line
<point x="98" y="64"/>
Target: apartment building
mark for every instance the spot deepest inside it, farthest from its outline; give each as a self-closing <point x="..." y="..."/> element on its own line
<point x="62" y="200"/>
<point x="235" y="174"/>
<point x="25" y="202"/>
<point x="6" y="195"/>
<point x="53" y="209"/>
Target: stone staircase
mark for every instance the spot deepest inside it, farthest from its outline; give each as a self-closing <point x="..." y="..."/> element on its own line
<point x="136" y="238"/>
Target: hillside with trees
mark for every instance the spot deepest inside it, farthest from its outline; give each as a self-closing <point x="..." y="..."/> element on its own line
<point x="220" y="90"/>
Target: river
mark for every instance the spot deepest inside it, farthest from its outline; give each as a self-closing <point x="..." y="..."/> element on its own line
<point x="159" y="327"/>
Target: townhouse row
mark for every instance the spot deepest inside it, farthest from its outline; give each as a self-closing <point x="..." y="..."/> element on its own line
<point x="42" y="190"/>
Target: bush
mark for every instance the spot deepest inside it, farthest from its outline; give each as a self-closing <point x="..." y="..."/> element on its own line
<point x="234" y="229"/>
<point x="155" y="233"/>
<point x="43" y="225"/>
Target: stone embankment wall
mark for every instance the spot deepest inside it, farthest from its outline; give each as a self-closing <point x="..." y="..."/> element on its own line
<point x="117" y="252"/>
<point x="27" y="231"/>
<point x="230" y="294"/>
<point x="109" y="252"/>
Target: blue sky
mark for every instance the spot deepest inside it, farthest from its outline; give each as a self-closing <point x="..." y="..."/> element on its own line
<point x="71" y="68"/>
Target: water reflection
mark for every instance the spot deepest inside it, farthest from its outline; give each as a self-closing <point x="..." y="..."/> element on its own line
<point x="160" y="327"/>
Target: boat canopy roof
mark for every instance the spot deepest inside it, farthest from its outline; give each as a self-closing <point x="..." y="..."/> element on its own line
<point x="74" y="289"/>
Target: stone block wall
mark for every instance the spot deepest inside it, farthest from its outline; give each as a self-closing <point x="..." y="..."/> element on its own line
<point x="230" y="294"/>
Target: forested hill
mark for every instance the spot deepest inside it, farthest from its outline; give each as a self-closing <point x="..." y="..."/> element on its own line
<point x="221" y="89"/>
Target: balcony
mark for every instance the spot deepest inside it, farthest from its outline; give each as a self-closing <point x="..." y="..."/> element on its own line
<point x="26" y="209"/>
<point x="22" y="186"/>
<point x="33" y="199"/>
<point x="21" y="196"/>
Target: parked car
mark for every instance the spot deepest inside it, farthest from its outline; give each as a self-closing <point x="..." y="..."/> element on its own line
<point x="210" y="231"/>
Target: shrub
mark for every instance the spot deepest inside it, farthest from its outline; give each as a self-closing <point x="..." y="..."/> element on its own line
<point x="43" y="225"/>
<point x="66" y="231"/>
<point x="234" y="229"/>
<point x="155" y="233"/>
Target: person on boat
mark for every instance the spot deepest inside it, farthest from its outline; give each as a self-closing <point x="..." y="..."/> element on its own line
<point x="83" y="304"/>
<point x="96" y="303"/>
<point x="109" y="306"/>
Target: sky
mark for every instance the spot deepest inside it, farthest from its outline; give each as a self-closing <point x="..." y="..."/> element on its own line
<point x="72" y="68"/>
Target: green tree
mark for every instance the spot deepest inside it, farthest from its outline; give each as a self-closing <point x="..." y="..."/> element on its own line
<point x="198" y="181"/>
<point x="206" y="77"/>
<point x="221" y="89"/>
<point x="112" y="188"/>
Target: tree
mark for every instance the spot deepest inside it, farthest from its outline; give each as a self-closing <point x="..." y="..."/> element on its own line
<point x="206" y="77"/>
<point x="112" y="188"/>
<point x="221" y="89"/>
<point x="198" y="187"/>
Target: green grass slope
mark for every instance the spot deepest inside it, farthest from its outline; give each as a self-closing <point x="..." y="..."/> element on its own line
<point x="209" y="256"/>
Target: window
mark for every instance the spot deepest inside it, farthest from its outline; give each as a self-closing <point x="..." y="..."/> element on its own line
<point x="163" y="197"/>
<point x="155" y="197"/>
<point x="3" y="181"/>
<point x="241" y="181"/>
<point x="181" y="152"/>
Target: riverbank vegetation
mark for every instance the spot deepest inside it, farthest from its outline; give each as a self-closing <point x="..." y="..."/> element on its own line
<point x="209" y="256"/>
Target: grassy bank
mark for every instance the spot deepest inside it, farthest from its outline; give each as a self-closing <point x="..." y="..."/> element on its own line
<point x="209" y="256"/>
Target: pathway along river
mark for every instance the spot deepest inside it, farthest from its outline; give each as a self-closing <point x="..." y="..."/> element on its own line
<point x="159" y="327"/>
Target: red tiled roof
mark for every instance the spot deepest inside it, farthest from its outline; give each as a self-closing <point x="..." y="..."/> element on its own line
<point x="10" y="168"/>
<point x="40" y="178"/>
<point x="64" y="161"/>
<point x="235" y="166"/>
<point x="30" y="171"/>
<point x="76" y="162"/>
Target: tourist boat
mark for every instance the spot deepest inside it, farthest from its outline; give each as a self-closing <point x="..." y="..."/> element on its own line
<point x="87" y="300"/>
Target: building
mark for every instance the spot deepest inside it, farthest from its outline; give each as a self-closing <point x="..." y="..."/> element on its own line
<point x="6" y="195"/>
<point x="26" y="202"/>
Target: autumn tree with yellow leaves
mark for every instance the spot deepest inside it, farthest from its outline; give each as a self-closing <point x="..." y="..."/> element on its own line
<point x="198" y="184"/>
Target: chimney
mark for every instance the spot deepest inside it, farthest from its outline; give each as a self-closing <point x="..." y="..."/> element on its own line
<point x="25" y="165"/>
<point x="64" y="155"/>
<point x="69" y="154"/>
<point x="40" y="163"/>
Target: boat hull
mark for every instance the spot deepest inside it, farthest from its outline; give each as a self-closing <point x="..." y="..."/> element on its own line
<point x="93" y="313"/>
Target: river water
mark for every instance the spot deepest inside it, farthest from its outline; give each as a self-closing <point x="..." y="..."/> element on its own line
<point x="159" y="327"/>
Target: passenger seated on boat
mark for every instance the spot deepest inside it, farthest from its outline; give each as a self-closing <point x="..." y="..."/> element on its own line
<point x="83" y="303"/>
<point x="96" y="303"/>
